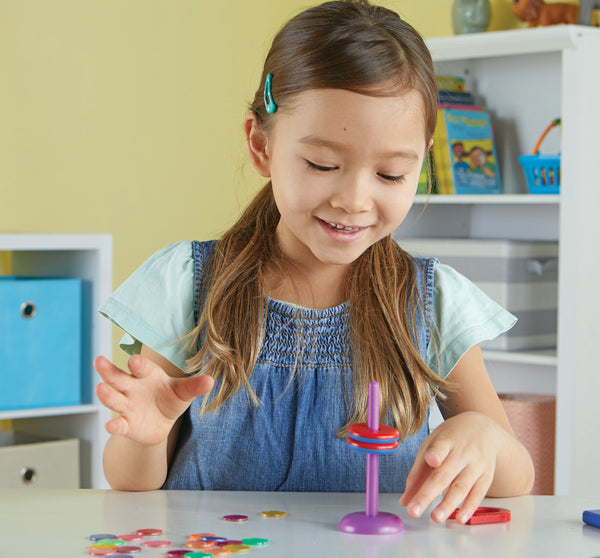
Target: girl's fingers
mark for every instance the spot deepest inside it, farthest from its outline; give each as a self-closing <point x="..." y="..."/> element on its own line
<point x="427" y="479"/>
<point x="430" y="455"/>
<point x="472" y="500"/>
<point x="437" y="482"/>
<point x="111" y="374"/>
<point x="141" y="367"/>
<point x="111" y="398"/>
<point x="117" y="425"/>
<point x="188" y="389"/>
<point x="457" y="492"/>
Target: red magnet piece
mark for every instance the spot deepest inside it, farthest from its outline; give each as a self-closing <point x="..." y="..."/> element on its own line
<point x="485" y="515"/>
<point x="360" y="430"/>
<point x="149" y="532"/>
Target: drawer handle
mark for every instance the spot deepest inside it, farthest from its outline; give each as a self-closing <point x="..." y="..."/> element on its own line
<point x="28" y="309"/>
<point x="28" y="475"/>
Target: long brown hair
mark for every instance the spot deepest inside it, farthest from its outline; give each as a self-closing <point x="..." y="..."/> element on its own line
<point x="356" y="46"/>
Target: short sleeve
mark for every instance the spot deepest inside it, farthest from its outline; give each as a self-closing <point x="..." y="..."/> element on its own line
<point x="462" y="317"/>
<point x="154" y="306"/>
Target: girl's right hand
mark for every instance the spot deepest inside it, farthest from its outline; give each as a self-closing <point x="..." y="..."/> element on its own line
<point x="148" y="401"/>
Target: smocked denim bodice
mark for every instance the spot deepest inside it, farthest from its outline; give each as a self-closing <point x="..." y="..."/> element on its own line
<point x="303" y="379"/>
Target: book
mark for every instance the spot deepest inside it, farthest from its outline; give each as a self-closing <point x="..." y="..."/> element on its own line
<point x="450" y="83"/>
<point x="456" y="97"/>
<point x="465" y="153"/>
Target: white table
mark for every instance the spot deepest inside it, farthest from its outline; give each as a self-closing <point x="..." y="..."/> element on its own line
<point x="57" y="523"/>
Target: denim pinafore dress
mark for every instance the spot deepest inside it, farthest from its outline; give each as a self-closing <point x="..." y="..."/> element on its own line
<point x="288" y="442"/>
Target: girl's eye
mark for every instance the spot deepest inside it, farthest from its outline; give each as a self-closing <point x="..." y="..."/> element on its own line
<point x="321" y="168"/>
<point x="394" y="179"/>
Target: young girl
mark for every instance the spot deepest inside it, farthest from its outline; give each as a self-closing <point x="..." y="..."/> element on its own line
<point x="282" y="323"/>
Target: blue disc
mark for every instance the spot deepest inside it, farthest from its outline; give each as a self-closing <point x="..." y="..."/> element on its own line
<point x="372" y="440"/>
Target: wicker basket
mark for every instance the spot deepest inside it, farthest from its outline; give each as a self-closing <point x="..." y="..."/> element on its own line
<point x="542" y="171"/>
<point x="533" y="420"/>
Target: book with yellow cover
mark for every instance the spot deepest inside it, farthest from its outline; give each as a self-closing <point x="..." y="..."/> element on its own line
<point x="465" y="153"/>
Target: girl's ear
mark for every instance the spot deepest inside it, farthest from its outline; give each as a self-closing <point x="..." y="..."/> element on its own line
<point x="256" y="140"/>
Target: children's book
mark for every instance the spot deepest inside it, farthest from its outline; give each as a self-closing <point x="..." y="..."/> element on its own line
<point x="456" y="97"/>
<point x="465" y="153"/>
<point x="450" y="83"/>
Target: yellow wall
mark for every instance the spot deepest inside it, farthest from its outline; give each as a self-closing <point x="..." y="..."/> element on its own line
<point x="125" y="116"/>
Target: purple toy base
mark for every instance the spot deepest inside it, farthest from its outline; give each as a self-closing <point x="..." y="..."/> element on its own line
<point x="383" y="523"/>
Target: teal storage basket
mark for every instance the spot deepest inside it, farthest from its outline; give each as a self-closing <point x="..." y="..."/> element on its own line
<point x="40" y="342"/>
<point x="542" y="172"/>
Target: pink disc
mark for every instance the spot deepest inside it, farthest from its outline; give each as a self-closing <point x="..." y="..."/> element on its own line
<point x="128" y="549"/>
<point x="157" y="544"/>
<point x="131" y="537"/>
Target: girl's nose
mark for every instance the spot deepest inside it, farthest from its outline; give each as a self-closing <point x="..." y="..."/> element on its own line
<point x="352" y="194"/>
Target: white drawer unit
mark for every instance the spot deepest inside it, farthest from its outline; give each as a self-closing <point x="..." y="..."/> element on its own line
<point x="27" y="461"/>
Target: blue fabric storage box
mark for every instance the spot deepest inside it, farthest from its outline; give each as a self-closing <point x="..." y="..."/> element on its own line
<point x="40" y="342"/>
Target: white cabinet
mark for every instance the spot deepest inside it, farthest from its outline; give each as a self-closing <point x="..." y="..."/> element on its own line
<point x="89" y="258"/>
<point x="526" y="78"/>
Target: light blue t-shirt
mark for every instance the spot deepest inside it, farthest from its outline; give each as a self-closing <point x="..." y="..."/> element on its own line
<point x="155" y="308"/>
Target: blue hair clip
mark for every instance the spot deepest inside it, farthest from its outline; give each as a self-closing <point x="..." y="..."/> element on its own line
<point x="269" y="102"/>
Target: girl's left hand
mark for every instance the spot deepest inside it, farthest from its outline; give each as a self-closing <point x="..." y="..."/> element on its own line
<point x="457" y="459"/>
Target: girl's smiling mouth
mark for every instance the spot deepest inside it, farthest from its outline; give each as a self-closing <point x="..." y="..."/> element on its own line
<point x="337" y="227"/>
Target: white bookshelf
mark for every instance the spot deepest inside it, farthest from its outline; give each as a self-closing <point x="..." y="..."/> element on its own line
<point x="526" y="78"/>
<point x="89" y="258"/>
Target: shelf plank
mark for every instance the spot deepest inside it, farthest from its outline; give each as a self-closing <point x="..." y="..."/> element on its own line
<point x="54" y="242"/>
<point x="50" y="412"/>
<point x="506" y="43"/>
<point x="500" y="199"/>
<point x="538" y="357"/>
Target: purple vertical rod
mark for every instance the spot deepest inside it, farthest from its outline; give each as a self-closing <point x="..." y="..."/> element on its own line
<point x="372" y="484"/>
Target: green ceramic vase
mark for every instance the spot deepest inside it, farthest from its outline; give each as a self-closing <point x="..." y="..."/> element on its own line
<point x="470" y="16"/>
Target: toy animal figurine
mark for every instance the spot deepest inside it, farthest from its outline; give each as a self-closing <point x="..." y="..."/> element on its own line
<point x="537" y="12"/>
<point x="586" y="9"/>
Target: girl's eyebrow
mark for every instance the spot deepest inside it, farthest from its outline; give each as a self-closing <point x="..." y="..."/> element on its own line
<point x="317" y="141"/>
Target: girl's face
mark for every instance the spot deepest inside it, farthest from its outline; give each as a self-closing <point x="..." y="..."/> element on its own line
<point x="344" y="169"/>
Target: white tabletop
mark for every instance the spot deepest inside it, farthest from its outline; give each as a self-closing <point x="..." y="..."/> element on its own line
<point x="57" y="523"/>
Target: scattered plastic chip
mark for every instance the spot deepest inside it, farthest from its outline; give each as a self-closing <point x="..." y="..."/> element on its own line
<point x="238" y="548"/>
<point x="129" y="549"/>
<point x="102" y="536"/>
<point x="200" y="545"/>
<point x="218" y="551"/>
<point x="157" y="544"/>
<point x="213" y="538"/>
<point x="101" y="551"/>
<point x="236" y="518"/>
<point x="273" y="513"/>
<point x="227" y="542"/>
<point x="255" y="542"/>
<point x="111" y="540"/>
<point x="198" y="536"/>
<point x="131" y="537"/>
<point x="149" y="532"/>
